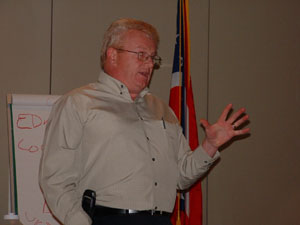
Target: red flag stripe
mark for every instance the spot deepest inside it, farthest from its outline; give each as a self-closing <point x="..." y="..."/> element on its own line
<point x="182" y="102"/>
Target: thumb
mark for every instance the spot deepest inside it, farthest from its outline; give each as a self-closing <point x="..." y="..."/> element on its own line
<point x="204" y="123"/>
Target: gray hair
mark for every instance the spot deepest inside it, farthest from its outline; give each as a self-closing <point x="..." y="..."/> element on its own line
<point x="114" y="33"/>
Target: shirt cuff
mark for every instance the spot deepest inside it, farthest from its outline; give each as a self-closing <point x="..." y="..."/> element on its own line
<point x="203" y="157"/>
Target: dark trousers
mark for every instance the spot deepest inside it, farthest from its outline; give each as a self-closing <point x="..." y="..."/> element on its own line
<point x="132" y="219"/>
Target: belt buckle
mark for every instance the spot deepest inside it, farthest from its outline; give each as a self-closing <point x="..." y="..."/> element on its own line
<point x="132" y="211"/>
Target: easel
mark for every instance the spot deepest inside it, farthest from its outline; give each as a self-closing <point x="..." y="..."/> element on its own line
<point x="12" y="215"/>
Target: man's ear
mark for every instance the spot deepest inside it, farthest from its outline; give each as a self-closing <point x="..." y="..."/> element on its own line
<point x="111" y="55"/>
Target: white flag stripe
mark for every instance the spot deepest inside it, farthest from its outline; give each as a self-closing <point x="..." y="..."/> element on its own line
<point x="175" y="80"/>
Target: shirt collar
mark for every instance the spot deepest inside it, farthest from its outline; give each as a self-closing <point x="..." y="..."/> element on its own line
<point x="118" y="87"/>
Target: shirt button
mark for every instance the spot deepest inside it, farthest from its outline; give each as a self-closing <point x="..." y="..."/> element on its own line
<point x="121" y="92"/>
<point x="153" y="159"/>
<point x="122" y="85"/>
<point x="148" y="138"/>
<point x="155" y="183"/>
<point x="155" y="207"/>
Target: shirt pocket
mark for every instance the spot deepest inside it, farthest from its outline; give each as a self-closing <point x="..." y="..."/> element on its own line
<point x="171" y="133"/>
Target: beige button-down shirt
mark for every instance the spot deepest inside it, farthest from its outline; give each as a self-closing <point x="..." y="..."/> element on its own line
<point x="132" y="153"/>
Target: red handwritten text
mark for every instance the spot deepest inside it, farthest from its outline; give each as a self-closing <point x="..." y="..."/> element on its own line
<point x="29" y="148"/>
<point x="29" y="121"/>
<point x="35" y="221"/>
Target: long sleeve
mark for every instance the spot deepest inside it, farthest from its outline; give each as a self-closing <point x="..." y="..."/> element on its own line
<point x="191" y="164"/>
<point x="60" y="168"/>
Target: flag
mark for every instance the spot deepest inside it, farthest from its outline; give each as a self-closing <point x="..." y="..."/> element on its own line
<point x="188" y="207"/>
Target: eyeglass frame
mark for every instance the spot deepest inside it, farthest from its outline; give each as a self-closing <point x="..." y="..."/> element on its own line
<point x="144" y="56"/>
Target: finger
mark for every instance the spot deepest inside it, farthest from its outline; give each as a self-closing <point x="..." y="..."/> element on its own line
<point x="204" y="123"/>
<point x="236" y="115"/>
<point x="240" y="121"/>
<point x="225" y="112"/>
<point x="241" y="132"/>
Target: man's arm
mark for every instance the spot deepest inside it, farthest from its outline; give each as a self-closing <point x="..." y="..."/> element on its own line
<point x="60" y="164"/>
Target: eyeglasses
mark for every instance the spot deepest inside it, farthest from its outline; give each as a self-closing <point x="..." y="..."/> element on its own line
<point x="144" y="56"/>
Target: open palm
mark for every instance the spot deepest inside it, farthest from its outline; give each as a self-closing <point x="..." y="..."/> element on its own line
<point x="224" y="129"/>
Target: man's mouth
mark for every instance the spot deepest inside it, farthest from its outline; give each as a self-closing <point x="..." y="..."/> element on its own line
<point x="144" y="73"/>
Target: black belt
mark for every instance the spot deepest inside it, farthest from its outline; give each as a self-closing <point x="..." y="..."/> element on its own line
<point x="107" y="211"/>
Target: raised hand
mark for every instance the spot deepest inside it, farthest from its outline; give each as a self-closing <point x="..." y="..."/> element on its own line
<point x="223" y="130"/>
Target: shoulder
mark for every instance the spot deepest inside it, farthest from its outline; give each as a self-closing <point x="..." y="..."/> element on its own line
<point x="78" y="96"/>
<point x="76" y="101"/>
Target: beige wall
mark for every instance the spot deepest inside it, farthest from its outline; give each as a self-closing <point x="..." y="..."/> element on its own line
<point x="24" y="65"/>
<point x="254" y="62"/>
<point x="245" y="52"/>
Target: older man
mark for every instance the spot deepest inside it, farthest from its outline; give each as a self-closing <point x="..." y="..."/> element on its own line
<point x="116" y="138"/>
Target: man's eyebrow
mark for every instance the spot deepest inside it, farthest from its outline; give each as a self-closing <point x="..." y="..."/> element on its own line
<point x="144" y="50"/>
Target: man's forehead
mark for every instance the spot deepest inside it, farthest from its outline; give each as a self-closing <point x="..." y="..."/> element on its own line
<point x="138" y="38"/>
